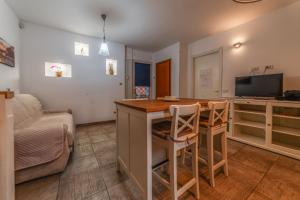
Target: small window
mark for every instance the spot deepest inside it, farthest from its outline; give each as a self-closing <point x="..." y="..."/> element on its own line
<point x="111" y="67"/>
<point x="58" y="70"/>
<point x="81" y="49"/>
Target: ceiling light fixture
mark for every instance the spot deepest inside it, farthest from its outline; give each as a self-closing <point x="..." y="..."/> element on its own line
<point x="104" y="47"/>
<point x="237" y="45"/>
<point x="246" y="1"/>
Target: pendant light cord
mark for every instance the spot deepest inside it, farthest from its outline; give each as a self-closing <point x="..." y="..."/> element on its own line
<point x="103" y="16"/>
<point x="104" y="31"/>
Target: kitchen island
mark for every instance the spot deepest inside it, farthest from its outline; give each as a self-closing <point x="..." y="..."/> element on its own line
<point x="134" y="137"/>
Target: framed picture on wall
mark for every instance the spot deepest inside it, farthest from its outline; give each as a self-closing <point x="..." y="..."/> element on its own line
<point x="7" y="53"/>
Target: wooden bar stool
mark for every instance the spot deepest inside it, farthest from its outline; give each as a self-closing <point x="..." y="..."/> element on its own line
<point x="216" y="124"/>
<point x="176" y="135"/>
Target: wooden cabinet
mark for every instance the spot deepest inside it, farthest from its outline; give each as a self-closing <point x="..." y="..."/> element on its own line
<point x="268" y="124"/>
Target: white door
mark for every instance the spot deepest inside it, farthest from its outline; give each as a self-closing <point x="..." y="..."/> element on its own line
<point x="208" y="76"/>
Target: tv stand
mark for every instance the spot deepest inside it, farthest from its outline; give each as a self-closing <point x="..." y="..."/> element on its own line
<point x="267" y="123"/>
<point x="257" y="98"/>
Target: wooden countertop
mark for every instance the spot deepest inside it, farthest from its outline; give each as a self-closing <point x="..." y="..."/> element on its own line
<point x="158" y="105"/>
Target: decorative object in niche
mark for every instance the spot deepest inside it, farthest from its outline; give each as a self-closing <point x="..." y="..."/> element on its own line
<point x="111" y="67"/>
<point x="81" y="49"/>
<point x="58" y="70"/>
<point x="7" y="53"/>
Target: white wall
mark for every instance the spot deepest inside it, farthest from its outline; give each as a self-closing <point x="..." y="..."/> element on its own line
<point x="138" y="55"/>
<point x="89" y="93"/>
<point x="9" y="31"/>
<point x="271" y="39"/>
<point x="171" y="52"/>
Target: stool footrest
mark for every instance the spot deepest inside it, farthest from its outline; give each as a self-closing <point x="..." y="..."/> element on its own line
<point x="187" y="186"/>
<point x="162" y="180"/>
<point x="219" y="164"/>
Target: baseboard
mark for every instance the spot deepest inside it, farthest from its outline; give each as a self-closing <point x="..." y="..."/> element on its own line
<point x="96" y="123"/>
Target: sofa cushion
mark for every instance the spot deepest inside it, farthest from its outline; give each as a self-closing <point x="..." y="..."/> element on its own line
<point x="31" y="104"/>
<point x="59" y="118"/>
<point x="38" y="144"/>
<point x="26" y="109"/>
<point x="28" y="113"/>
<point x="20" y="113"/>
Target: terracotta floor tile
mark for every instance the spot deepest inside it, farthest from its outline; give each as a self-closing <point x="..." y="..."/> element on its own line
<point x="104" y="147"/>
<point x="120" y="192"/>
<point x="282" y="181"/>
<point x="234" y="147"/>
<point x="255" y="158"/>
<point x="91" y="174"/>
<point x="81" y="134"/>
<point x="84" y="140"/>
<point x="77" y="166"/>
<point x="112" y="135"/>
<point x="99" y="196"/>
<point x="241" y="181"/>
<point x="258" y="196"/>
<point x="99" y="138"/>
<point x="94" y="127"/>
<point x="108" y="158"/>
<point x="43" y="188"/>
<point x="112" y="177"/>
<point x="97" y="132"/>
<point x="83" y="150"/>
<point x="82" y="185"/>
<point x="289" y="163"/>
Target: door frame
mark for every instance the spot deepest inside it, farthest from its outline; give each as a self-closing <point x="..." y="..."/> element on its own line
<point x="133" y="76"/>
<point x="220" y="52"/>
<point x="170" y="83"/>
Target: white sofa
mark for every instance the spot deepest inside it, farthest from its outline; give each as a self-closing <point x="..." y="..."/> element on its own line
<point x="43" y="139"/>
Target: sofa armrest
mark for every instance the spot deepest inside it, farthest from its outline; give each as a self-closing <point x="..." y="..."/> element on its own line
<point x="58" y="111"/>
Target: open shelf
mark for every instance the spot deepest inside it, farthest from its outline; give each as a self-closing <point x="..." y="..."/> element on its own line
<point x="268" y="124"/>
<point x="250" y="138"/>
<point x="250" y="134"/>
<point x="286" y="112"/>
<point x="287" y="141"/>
<point x="251" y="112"/>
<point x="287" y="146"/>
<point x="286" y="130"/>
<point x="251" y="124"/>
<point x="286" y="116"/>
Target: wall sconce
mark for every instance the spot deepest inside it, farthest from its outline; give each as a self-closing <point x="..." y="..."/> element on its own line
<point x="237" y="45"/>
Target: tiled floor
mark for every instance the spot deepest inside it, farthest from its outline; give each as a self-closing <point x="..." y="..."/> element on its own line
<point x="254" y="174"/>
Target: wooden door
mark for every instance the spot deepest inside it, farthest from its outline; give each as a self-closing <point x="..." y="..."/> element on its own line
<point x="163" y="78"/>
<point x="208" y="76"/>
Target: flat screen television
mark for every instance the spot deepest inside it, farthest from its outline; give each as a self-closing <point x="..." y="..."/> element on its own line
<point x="270" y="85"/>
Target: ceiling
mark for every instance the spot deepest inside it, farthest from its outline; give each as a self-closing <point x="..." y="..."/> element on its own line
<point x="143" y="24"/>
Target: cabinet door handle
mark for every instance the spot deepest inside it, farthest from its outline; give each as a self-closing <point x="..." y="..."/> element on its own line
<point x="269" y="124"/>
